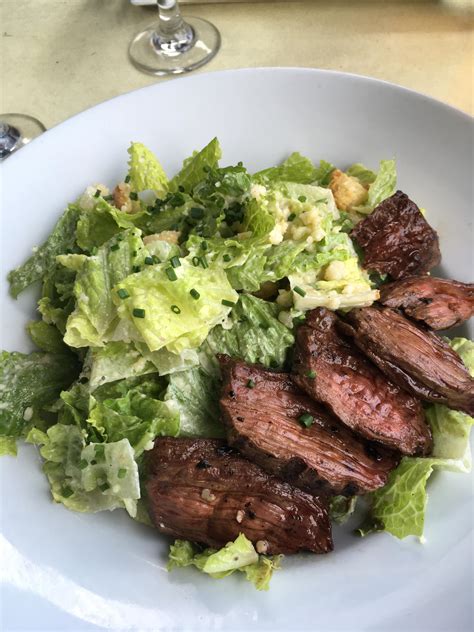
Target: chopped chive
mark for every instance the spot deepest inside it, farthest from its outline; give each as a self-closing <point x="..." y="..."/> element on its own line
<point x="134" y="253"/>
<point x="97" y="193"/>
<point x="196" y="212"/>
<point x="122" y="292"/>
<point x="311" y="374"/>
<point x="175" y="309"/>
<point x="108" y="197"/>
<point x="204" y="245"/>
<point x="299" y="291"/>
<point x="133" y="196"/>
<point x="195" y="294"/>
<point x="196" y="261"/>
<point x="99" y="450"/>
<point x="240" y="164"/>
<point x="206" y="169"/>
<point x="83" y="464"/>
<point x="203" y="262"/>
<point x="250" y="384"/>
<point x="171" y="274"/>
<point x="104" y="487"/>
<point x="138" y="312"/>
<point x="181" y="188"/>
<point x="114" y="247"/>
<point x="306" y="420"/>
<point x="291" y="217"/>
<point x="175" y="262"/>
<point x="227" y="303"/>
<point x="155" y="259"/>
<point x="136" y="269"/>
<point x="66" y="492"/>
<point x="122" y="473"/>
<point x="127" y="179"/>
<point x="149" y="261"/>
<point x="302" y="198"/>
<point x="227" y="257"/>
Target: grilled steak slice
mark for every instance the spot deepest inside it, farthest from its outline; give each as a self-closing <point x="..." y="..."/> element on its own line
<point x="416" y="359"/>
<point x="354" y="389"/>
<point x="202" y="490"/>
<point x="261" y="410"/>
<point x="396" y="239"/>
<point x="438" y="303"/>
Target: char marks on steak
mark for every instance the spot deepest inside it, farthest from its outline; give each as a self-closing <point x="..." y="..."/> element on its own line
<point x="416" y="359"/>
<point x="201" y="490"/>
<point x="396" y="239"/>
<point x="438" y="303"/>
<point x="354" y="389"/>
<point x="261" y="411"/>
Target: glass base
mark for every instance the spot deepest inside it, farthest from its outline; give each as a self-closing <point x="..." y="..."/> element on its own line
<point x="192" y="46"/>
<point x="16" y="130"/>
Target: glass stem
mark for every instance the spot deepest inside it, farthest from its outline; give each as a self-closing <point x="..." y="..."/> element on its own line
<point x="170" y="16"/>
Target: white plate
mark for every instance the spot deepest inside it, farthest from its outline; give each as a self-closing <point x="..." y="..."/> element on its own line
<point x="66" y="571"/>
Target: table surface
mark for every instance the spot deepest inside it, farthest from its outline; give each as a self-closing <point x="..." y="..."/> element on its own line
<point x="62" y="56"/>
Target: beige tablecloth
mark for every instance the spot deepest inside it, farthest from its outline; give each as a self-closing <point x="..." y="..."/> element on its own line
<point x="62" y="56"/>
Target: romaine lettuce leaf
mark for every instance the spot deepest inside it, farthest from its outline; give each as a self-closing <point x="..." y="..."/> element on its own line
<point x="28" y="383"/>
<point x="95" y="317"/>
<point x="61" y="239"/>
<point x="88" y="478"/>
<point x="135" y="417"/>
<point x="100" y="223"/>
<point x="341" y="508"/>
<point x="120" y="360"/>
<point x="296" y="168"/>
<point x="194" y="168"/>
<point x="238" y="555"/>
<point x="362" y="173"/>
<point x="8" y="446"/>
<point x="384" y="185"/>
<point x="399" y="507"/>
<point x="57" y="296"/>
<point x="255" y="335"/>
<point x="194" y="395"/>
<point x="145" y="171"/>
<point x="175" y="307"/>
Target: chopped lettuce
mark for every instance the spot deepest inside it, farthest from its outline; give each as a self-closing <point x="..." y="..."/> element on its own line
<point x="296" y="168"/>
<point x="61" y="239"/>
<point x="8" y="446"/>
<point x="194" y="168"/>
<point x="238" y="555"/>
<point x="28" y="383"/>
<point x="384" y="185"/>
<point x="88" y="478"/>
<point x="254" y="334"/>
<point x="193" y="394"/>
<point x="399" y="507"/>
<point x="57" y="296"/>
<point x="161" y="308"/>
<point x="145" y="171"/>
<point x="363" y="174"/>
<point x="136" y="417"/>
<point x="95" y="317"/>
<point x="102" y="221"/>
<point x="119" y="360"/>
<point x="344" y="285"/>
<point x="341" y="508"/>
<point x="46" y="337"/>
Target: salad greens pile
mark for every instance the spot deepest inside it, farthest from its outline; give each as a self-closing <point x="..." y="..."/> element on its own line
<point x="142" y="287"/>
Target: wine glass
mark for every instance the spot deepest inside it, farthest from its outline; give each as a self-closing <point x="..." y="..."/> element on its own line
<point x="174" y="45"/>
<point x="16" y="130"/>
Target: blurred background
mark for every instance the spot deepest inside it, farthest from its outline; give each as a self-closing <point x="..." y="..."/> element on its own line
<point x="62" y="56"/>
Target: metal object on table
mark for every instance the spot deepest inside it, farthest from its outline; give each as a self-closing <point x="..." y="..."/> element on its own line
<point x="16" y="130"/>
